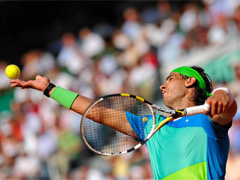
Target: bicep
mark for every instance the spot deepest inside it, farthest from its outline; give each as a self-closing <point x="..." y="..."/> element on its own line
<point x="115" y="119"/>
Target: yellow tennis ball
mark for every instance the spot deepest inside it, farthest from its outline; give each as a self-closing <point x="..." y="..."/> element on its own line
<point x="12" y="71"/>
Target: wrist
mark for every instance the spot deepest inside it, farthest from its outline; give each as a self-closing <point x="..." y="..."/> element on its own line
<point x="50" y="92"/>
<point x="221" y="88"/>
<point x="49" y="89"/>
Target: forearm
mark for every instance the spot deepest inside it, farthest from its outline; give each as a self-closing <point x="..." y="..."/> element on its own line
<point x="80" y="104"/>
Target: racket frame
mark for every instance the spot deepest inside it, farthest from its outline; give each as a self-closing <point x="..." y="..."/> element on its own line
<point x="172" y="115"/>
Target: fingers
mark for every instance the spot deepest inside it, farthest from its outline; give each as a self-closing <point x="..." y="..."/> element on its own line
<point x="39" y="84"/>
<point x="15" y="83"/>
<point x="19" y="83"/>
<point x="216" y="107"/>
<point x="38" y="77"/>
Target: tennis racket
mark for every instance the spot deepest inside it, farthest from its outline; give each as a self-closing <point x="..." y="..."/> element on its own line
<point x="105" y="126"/>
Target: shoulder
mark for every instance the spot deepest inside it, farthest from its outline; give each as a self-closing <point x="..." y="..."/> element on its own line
<point x="213" y="129"/>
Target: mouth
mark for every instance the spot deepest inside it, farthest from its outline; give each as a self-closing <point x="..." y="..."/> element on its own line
<point x="164" y="92"/>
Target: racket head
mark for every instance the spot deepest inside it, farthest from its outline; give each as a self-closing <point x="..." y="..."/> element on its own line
<point x="104" y="139"/>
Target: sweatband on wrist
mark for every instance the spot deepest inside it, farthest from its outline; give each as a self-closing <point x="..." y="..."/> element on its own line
<point x="221" y="88"/>
<point x="228" y="92"/>
<point x="48" y="89"/>
<point x="63" y="96"/>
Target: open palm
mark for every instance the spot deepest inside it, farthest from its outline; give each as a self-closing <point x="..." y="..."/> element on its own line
<point x="40" y="83"/>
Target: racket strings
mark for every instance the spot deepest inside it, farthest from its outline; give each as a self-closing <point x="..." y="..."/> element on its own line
<point x="112" y="112"/>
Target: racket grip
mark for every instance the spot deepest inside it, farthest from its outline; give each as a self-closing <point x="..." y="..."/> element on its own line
<point x="196" y="109"/>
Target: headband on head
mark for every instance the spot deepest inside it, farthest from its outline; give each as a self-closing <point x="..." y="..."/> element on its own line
<point x="190" y="72"/>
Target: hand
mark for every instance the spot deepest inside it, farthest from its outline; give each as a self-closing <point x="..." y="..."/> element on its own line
<point x="39" y="84"/>
<point x="223" y="107"/>
<point x="218" y="102"/>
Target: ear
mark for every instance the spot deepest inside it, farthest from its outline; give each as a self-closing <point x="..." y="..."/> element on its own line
<point x="190" y="81"/>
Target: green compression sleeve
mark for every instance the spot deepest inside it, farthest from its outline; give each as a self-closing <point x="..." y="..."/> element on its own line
<point x="63" y="96"/>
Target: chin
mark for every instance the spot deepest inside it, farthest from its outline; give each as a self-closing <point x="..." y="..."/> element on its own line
<point x="167" y="104"/>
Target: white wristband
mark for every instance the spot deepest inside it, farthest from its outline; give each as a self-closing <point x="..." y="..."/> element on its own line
<point x="227" y="90"/>
<point x="221" y="88"/>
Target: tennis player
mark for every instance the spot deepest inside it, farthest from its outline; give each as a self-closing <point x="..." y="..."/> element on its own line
<point x="192" y="147"/>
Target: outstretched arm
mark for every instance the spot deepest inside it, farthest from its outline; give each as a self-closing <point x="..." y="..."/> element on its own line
<point x="79" y="105"/>
<point x="223" y="107"/>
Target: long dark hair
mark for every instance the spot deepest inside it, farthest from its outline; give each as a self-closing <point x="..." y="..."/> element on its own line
<point x="200" y="96"/>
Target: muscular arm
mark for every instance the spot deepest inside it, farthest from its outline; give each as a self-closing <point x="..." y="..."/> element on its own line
<point x="80" y="104"/>
<point x="104" y="116"/>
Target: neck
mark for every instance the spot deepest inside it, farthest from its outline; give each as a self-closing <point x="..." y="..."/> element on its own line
<point x="183" y="102"/>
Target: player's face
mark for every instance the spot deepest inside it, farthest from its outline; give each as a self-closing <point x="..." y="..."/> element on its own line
<point x="173" y="90"/>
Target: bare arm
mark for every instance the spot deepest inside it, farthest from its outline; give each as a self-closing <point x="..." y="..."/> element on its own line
<point x="223" y="107"/>
<point x="79" y="105"/>
<point x="104" y="116"/>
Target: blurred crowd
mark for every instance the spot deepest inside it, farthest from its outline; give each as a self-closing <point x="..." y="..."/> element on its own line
<point x="39" y="139"/>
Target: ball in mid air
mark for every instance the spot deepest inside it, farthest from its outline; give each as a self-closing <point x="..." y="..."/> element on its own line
<point x="12" y="71"/>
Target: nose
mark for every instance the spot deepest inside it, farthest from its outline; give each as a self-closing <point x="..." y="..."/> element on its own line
<point x="162" y="87"/>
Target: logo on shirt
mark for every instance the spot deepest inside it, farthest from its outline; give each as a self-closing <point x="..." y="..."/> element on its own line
<point x="144" y="119"/>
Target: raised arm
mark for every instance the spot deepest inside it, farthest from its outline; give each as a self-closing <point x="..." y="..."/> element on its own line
<point x="79" y="104"/>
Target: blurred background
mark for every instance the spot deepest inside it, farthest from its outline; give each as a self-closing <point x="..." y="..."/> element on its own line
<point x="97" y="48"/>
